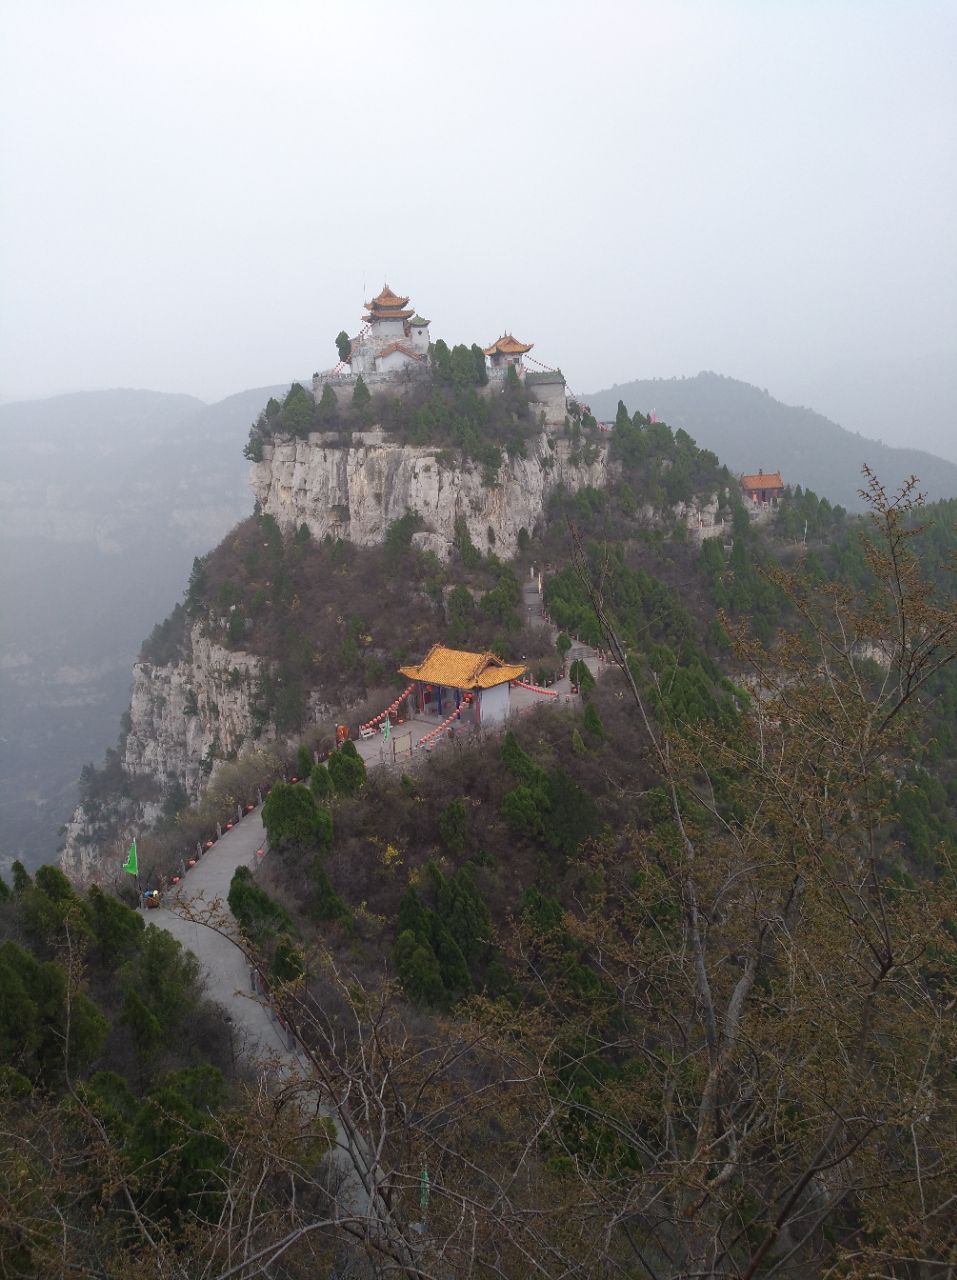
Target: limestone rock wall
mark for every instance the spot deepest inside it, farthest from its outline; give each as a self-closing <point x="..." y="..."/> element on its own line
<point x="182" y="711"/>
<point x="178" y="713"/>
<point x="81" y="853"/>
<point x="355" y="492"/>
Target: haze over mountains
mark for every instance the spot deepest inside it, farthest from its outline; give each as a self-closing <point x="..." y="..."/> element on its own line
<point x="749" y="431"/>
<point x="107" y="496"/>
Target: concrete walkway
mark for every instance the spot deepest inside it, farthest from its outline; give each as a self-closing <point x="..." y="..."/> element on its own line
<point x="256" y="1034"/>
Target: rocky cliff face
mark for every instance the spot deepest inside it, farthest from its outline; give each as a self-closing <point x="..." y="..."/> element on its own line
<point x="183" y="718"/>
<point x="356" y="492"/>
<point x="198" y="707"/>
<point x="186" y="715"/>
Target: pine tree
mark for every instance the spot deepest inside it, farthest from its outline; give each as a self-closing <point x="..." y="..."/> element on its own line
<point x="361" y="395"/>
<point x="328" y="404"/>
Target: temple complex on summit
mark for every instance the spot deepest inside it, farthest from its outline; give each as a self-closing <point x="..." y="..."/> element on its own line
<point x="391" y="351"/>
<point x="478" y="682"/>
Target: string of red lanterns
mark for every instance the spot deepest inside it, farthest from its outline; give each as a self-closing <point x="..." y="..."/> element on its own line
<point x="534" y="688"/>
<point x="394" y="706"/>
<point x="444" y="725"/>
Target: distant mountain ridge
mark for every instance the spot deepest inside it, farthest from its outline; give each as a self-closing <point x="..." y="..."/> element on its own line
<point x="749" y="430"/>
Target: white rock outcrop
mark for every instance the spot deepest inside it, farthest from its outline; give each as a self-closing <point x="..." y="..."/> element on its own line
<point x="185" y="717"/>
<point x="356" y="491"/>
<point x="181" y="712"/>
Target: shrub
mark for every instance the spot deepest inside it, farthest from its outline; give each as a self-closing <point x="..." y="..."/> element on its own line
<point x="521" y="809"/>
<point x="328" y="407"/>
<point x="259" y="917"/>
<point x="592" y="721"/>
<point x="347" y="770"/>
<point x="293" y="820"/>
<point x="297" y="411"/>
<point x="320" y="783"/>
<point x="304" y="761"/>
<point x="453" y="826"/>
<point x="581" y="677"/>
<point x="326" y="903"/>
<point x="418" y="969"/>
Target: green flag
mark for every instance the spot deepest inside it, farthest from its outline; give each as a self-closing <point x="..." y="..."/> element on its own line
<point x="386" y="729"/>
<point x="130" y="863"/>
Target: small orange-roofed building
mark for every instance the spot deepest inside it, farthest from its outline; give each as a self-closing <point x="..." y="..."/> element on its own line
<point x="763" y="488"/>
<point x="449" y="678"/>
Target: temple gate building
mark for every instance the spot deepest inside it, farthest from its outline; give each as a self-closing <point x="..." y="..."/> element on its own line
<point x="450" y="678"/>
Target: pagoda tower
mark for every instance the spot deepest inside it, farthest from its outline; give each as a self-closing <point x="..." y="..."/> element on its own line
<point x="394" y="337"/>
<point x="387" y="315"/>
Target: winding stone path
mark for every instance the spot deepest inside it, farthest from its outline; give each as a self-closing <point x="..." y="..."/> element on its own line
<point x="257" y="1036"/>
<point x="225" y="968"/>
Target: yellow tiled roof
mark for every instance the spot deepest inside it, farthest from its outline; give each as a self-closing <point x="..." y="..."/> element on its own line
<point x="506" y="345"/>
<point x="458" y="669"/>
<point x="375" y="313"/>
<point x="387" y="299"/>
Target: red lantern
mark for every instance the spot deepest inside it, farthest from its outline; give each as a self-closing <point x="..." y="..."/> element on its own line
<point x="191" y="862"/>
<point x="209" y="844"/>
<point x="175" y="880"/>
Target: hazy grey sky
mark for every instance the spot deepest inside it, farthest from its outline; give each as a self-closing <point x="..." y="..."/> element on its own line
<point x="198" y="196"/>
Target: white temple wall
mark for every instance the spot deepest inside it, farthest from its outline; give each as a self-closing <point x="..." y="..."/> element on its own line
<point x="389" y="329"/>
<point x="495" y="704"/>
<point x="394" y="361"/>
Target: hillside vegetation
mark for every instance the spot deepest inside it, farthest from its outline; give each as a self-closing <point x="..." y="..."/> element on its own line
<point x="749" y="430"/>
<point x="659" y="983"/>
<point x="448" y="409"/>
